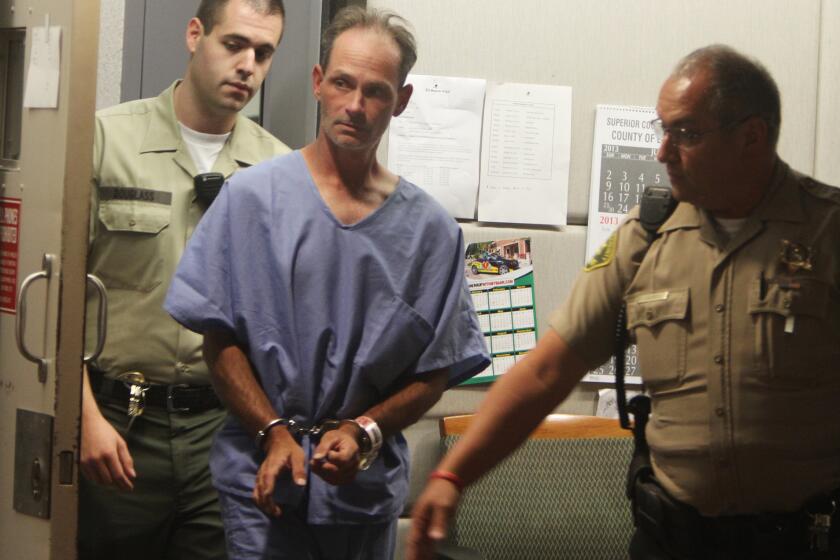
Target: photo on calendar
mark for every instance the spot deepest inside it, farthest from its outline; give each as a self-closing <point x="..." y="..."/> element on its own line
<point x="488" y="261"/>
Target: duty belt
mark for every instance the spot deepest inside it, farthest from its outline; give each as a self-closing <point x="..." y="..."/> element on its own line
<point x="686" y="534"/>
<point x="183" y="398"/>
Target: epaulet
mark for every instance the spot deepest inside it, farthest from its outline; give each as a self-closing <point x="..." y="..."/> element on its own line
<point x="820" y="190"/>
<point x="137" y="106"/>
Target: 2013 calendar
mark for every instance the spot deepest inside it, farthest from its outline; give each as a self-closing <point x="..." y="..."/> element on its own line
<point x="623" y="163"/>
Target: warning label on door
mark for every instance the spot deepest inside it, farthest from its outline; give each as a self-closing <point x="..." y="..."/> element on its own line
<point x="9" y="236"/>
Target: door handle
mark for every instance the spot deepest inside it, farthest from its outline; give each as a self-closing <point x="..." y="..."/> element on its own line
<point x="101" y="318"/>
<point x="20" y="318"/>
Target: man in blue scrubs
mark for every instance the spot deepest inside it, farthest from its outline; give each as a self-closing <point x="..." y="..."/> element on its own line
<point x="335" y="312"/>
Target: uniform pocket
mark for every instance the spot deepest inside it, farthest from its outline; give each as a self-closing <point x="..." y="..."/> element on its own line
<point x="128" y="251"/>
<point x="136" y="217"/>
<point x="659" y="321"/>
<point x="395" y="338"/>
<point x="794" y="336"/>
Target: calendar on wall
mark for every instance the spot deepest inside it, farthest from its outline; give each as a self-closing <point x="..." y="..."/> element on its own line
<point x="623" y="163"/>
<point x="500" y="275"/>
<point x="624" y="173"/>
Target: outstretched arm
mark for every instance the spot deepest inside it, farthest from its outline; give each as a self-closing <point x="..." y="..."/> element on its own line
<point x="513" y="408"/>
<point x="238" y="388"/>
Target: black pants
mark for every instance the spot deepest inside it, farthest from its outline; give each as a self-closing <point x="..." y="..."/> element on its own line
<point x="667" y="529"/>
<point x="645" y="547"/>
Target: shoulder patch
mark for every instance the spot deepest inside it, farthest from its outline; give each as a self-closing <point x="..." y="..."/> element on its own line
<point x="604" y="255"/>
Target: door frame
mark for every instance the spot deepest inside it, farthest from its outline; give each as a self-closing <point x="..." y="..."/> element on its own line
<point x="78" y="170"/>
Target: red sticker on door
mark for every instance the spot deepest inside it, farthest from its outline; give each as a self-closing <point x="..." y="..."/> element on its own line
<point x="9" y="236"/>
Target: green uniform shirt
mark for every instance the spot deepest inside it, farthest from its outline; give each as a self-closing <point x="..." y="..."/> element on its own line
<point x="739" y="345"/>
<point x="143" y="212"/>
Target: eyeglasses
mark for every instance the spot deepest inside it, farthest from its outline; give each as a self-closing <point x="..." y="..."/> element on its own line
<point x="681" y="136"/>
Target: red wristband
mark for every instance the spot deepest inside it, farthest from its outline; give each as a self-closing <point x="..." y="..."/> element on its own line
<point x="450" y="476"/>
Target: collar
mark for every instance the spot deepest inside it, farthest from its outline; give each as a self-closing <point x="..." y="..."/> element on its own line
<point x="163" y="134"/>
<point x="782" y="201"/>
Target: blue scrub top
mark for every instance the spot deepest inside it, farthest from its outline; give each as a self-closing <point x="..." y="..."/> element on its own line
<point x="331" y="316"/>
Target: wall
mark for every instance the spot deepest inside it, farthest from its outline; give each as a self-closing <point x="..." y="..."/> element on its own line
<point x="619" y="52"/>
<point x="827" y="164"/>
<point x="109" y="71"/>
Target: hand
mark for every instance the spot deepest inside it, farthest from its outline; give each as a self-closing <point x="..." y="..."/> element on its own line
<point x="282" y="453"/>
<point x="104" y="455"/>
<point x="430" y="518"/>
<point x="336" y="459"/>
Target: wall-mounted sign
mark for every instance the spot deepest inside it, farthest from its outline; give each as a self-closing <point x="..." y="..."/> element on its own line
<point x="9" y="252"/>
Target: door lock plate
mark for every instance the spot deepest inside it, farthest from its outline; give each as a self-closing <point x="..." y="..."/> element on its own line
<point x="33" y="463"/>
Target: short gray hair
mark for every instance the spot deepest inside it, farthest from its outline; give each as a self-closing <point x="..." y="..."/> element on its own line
<point x="740" y="86"/>
<point x="389" y="23"/>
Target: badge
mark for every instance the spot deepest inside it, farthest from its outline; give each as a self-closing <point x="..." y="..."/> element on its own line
<point x="795" y="256"/>
<point x="603" y="256"/>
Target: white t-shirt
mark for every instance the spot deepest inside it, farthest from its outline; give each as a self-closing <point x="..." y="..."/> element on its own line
<point x="203" y="148"/>
<point x="729" y="226"/>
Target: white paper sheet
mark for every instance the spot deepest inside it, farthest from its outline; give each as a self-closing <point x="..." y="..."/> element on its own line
<point x="42" y="78"/>
<point x="525" y="153"/>
<point x="607" y="406"/>
<point x="435" y="142"/>
<point x="623" y="162"/>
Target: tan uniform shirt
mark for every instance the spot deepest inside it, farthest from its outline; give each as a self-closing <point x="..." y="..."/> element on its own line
<point x="144" y="211"/>
<point x="740" y="351"/>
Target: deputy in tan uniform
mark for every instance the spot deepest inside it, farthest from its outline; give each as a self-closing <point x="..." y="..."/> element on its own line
<point x="735" y="306"/>
<point x="148" y="492"/>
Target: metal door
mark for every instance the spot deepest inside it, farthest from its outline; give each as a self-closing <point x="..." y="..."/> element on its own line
<point x="45" y="169"/>
<point x="154" y="56"/>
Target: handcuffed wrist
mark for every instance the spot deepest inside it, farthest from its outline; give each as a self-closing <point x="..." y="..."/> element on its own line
<point x="456" y="480"/>
<point x="259" y="440"/>
<point x="371" y="441"/>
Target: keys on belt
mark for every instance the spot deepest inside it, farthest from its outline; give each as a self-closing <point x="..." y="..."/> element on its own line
<point x="819" y="527"/>
<point x="132" y="390"/>
<point x="137" y="387"/>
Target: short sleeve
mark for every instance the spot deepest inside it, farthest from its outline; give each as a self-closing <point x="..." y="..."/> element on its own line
<point x="586" y="320"/>
<point x="199" y="296"/>
<point x="458" y="343"/>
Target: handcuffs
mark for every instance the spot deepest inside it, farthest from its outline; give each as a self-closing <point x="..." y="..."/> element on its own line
<point x="370" y="436"/>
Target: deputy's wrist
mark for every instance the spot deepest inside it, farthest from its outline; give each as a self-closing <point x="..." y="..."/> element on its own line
<point x="449" y="476"/>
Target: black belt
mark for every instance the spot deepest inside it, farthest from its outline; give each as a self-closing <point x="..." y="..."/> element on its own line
<point x="684" y="533"/>
<point x="174" y="398"/>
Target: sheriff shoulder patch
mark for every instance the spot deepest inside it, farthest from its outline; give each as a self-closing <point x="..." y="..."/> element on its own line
<point x="603" y="256"/>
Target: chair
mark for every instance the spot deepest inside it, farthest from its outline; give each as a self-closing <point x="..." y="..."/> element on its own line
<point x="559" y="496"/>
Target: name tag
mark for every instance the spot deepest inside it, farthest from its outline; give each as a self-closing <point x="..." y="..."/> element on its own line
<point x="134" y="193"/>
<point x="655" y="296"/>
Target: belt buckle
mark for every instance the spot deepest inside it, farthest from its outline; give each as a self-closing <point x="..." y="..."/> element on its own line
<point x="170" y="399"/>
